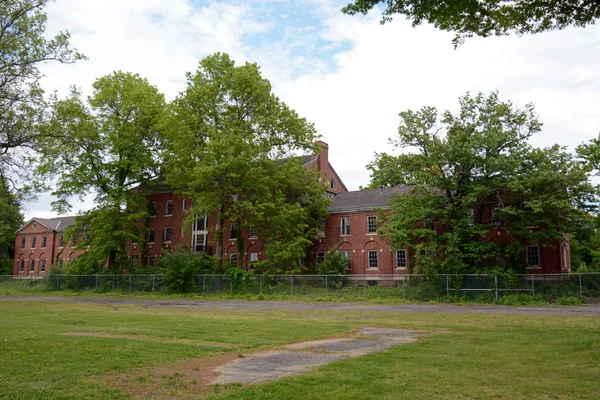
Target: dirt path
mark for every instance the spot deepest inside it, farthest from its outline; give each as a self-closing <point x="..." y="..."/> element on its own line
<point x="589" y="310"/>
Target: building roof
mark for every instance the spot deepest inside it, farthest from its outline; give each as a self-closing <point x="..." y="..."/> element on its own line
<point x="58" y="224"/>
<point x="366" y="200"/>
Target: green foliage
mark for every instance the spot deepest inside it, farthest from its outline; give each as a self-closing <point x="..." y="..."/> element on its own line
<point x="522" y="300"/>
<point x="569" y="301"/>
<point x="108" y="145"/>
<point x="23" y="47"/>
<point x="181" y="268"/>
<point x="10" y="220"/>
<point x="232" y="149"/>
<point x="487" y="17"/>
<point x="461" y="162"/>
<point x="335" y="263"/>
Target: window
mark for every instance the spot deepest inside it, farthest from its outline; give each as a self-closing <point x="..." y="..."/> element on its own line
<point x="253" y="232"/>
<point x="371" y="224"/>
<point x="233" y="258"/>
<point x="33" y="241"/>
<point x="23" y="241"/>
<point x="61" y="262"/>
<point x="73" y="240"/>
<point x="21" y="265"/>
<point x="42" y="265"/>
<point x="182" y="231"/>
<point x="320" y="257"/>
<point x="167" y="234"/>
<point x="61" y="241"/>
<point x="87" y="237"/>
<point x="151" y="235"/>
<point x="199" y="223"/>
<point x="234" y="197"/>
<point x="373" y="258"/>
<point x="321" y="229"/>
<point x="199" y="241"/>
<point x="184" y="204"/>
<point x="533" y="256"/>
<point x="169" y="208"/>
<point x="347" y="254"/>
<point x="44" y="241"/>
<point x="470" y="216"/>
<point x="151" y="260"/>
<point x="429" y="223"/>
<point x="497" y="217"/>
<point x="401" y="258"/>
<point x="152" y="209"/>
<point x="332" y="184"/>
<point x="135" y="260"/>
<point x="31" y="265"/>
<point x="345" y="226"/>
<point x="232" y="230"/>
<point x="253" y="257"/>
<point x="302" y="261"/>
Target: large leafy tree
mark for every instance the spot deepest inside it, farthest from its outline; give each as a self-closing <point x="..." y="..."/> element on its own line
<point x="23" y="47"/>
<point x="458" y="162"/>
<point x="232" y="144"/>
<point x="106" y="145"/>
<point x="10" y="220"/>
<point x="486" y="17"/>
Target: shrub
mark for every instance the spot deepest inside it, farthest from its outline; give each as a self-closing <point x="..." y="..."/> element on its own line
<point x="569" y="301"/>
<point x="181" y="267"/>
<point x="335" y="264"/>
<point x="522" y="300"/>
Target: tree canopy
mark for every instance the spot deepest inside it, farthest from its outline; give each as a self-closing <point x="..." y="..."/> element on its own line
<point x="232" y="148"/>
<point x="458" y="163"/>
<point x="106" y="146"/>
<point x="23" y="47"/>
<point x="487" y="17"/>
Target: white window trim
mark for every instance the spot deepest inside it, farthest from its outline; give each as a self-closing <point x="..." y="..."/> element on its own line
<point x="342" y="230"/>
<point x="167" y="208"/>
<point x="371" y="233"/>
<point x="154" y="240"/>
<point x="396" y="258"/>
<point x="171" y="234"/>
<point x="369" y="259"/>
<point x="317" y="256"/>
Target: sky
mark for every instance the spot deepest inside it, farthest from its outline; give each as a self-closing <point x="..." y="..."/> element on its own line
<point x="349" y="75"/>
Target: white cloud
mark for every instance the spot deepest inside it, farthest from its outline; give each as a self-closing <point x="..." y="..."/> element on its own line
<point x="378" y="70"/>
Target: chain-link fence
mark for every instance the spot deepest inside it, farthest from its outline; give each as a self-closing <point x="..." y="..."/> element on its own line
<point x="407" y="287"/>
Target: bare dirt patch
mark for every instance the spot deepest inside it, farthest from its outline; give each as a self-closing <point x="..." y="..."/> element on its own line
<point x="193" y="378"/>
<point x="150" y="339"/>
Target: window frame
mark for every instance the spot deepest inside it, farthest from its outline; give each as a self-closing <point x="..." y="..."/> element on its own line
<point x="168" y="208"/>
<point x="345" y="226"/>
<point x="168" y="232"/>
<point x="151" y="260"/>
<point x="151" y="235"/>
<point x="184" y="205"/>
<point x="538" y="255"/>
<point x="348" y="255"/>
<point x="320" y="257"/>
<point x="44" y="241"/>
<point x="21" y="265"/>
<point x="152" y="210"/>
<point x="33" y="242"/>
<point x="32" y="265"/>
<point x="23" y="242"/>
<point x="232" y="256"/>
<point x="497" y="221"/>
<point x="43" y="265"/>
<point x="372" y="260"/>
<point x="253" y="233"/>
<point x="232" y="230"/>
<point x="398" y="258"/>
<point x="61" y="241"/>
<point x="371" y="228"/>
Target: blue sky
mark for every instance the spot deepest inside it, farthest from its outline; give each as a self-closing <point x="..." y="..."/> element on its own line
<point x="350" y="76"/>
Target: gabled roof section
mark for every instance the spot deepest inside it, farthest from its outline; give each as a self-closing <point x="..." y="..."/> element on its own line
<point x="58" y="224"/>
<point x="337" y="177"/>
<point x="366" y="200"/>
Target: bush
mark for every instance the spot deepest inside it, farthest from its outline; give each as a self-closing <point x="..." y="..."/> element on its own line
<point x="335" y="264"/>
<point x="181" y="267"/>
<point x="569" y="301"/>
<point x="522" y="300"/>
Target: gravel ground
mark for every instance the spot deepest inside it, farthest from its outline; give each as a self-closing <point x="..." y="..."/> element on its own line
<point x="588" y="310"/>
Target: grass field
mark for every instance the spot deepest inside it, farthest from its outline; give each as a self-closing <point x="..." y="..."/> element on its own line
<point x="87" y="351"/>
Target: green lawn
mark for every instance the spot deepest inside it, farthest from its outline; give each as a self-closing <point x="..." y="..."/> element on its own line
<point x="493" y="357"/>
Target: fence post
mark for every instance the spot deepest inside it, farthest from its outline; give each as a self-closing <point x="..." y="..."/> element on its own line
<point x="326" y="287"/>
<point x="260" y="284"/>
<point x="532" y="285"/>
<point x="447" y="287"/>
<point x="292" y="283"/>
<point x="153" y="276"/>
<point x="580" y="287"/>
<point x="496" y="285"/>
<point x="403" y="295"/>
<point x="96" y="282"/>
<point x="203" y="282"/>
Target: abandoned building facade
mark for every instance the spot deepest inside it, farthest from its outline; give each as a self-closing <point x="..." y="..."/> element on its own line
<point x="351" y="229"/>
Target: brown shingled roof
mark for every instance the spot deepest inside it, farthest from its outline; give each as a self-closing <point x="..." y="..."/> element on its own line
<point x="365" y="200"/>
<point x="58" y="224"/>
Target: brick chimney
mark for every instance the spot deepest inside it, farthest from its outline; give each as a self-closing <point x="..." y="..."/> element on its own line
<point x="323" y="159"/>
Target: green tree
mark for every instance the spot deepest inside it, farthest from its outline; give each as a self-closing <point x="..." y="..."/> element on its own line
<point x="10" y="220"/>
<point x="232" y="144"/>
<point x="106" y="146"/>
<point x="487" y="17"/>
<point x="461" y="161"/>
<point x="23" y="47"/>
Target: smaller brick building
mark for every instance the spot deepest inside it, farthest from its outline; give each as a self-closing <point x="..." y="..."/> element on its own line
<point x="42" y="242"/>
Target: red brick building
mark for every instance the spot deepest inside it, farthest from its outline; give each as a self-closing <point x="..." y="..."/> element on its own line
<point x="351" y="228"/>
<point x="42" y="242"/>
